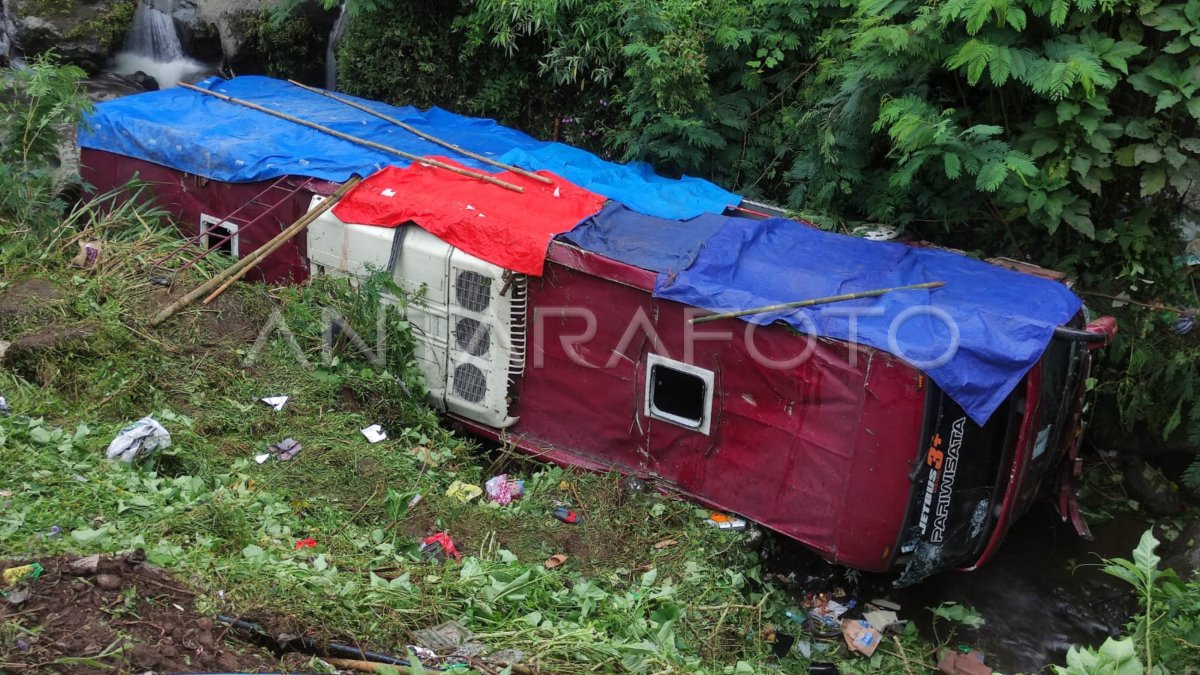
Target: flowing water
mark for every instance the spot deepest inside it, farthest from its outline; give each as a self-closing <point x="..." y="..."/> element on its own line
<point x="335" y="36"/>
<point x="153" y="47"/>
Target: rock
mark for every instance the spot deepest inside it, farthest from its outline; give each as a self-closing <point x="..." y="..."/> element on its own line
<point x="28" y="297"/>
<point x="109" y="582"/>
<point x="1183" y="554"/>
<point x="85" y="33"/>
<point x="1147" y="485"/>
<point x="145" y="656"/>
<point x="85" y="566"/>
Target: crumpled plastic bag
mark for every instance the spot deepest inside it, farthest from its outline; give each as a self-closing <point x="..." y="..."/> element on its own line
<point x="4" y="409"/>
<point x="139" y="440"/>
<point x="503" y="491"/>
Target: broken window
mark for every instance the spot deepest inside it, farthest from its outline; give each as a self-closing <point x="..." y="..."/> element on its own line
<point x="679" y="393"/>
<point x="219" y="236"/>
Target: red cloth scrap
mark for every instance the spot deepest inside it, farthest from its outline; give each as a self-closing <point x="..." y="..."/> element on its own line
<point x="502" y="226"/>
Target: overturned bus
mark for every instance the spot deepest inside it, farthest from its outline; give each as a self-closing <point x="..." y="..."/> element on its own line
<point x="901" y="432"/>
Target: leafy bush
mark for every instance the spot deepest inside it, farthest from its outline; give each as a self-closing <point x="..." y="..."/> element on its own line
<point x="1165" y="633"/>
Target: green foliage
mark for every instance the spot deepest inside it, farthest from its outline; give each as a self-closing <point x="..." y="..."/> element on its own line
<point x="1115" y="657"/>
<point x="1164" y="634"/>
<point x="39" y="101"/>
<point x="291" y="47"/>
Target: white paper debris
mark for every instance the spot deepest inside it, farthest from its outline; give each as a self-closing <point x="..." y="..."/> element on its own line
<point x="276" y="402"/>
<point x="557" y="192"/>
<point x="261" y="459"/>
<point x="138" y="440"/>
<point x="374" y="434"/>
<point x="388" y="192"/>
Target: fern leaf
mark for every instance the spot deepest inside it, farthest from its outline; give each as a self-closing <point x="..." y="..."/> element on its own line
<point x="1058" y="12"/>
<point x="952" y="164"/>
<point x="991" y="176"/>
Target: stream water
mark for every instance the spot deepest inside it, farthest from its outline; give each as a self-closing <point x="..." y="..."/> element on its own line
<point x="1042" y="593"/>
<point x="153" y="47"/>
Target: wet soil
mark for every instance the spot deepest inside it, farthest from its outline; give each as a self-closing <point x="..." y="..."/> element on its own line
<point x="126" y="616"/>
<point x="1042" y="592"/>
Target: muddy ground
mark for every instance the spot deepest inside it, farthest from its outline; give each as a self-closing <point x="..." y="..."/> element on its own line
<point x="126" y="616"/>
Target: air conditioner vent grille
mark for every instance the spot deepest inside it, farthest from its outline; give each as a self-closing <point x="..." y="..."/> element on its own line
<point x="470" y="383"/>
<point x="472" y="336"/>
<point x="473" y="291"/>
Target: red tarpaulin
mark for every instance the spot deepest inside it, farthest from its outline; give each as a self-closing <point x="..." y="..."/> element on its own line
<point x="501" y="226"/>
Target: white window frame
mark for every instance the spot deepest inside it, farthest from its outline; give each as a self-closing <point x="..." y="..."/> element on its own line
<point x="210" y="223"/>
<point x="707" y="376"/>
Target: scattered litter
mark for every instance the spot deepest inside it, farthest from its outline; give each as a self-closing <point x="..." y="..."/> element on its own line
<point x="958" y="662"/>
<point x="85" y="566"/>
<point x="425" y="656"/>
<point x="781" y="643"/>
<point x="665" y="543"/>
<point x="463" y="492"/>
<point x="138" y="440"/>
<point x="6" y="493"/>
<point x="16" y="575"/>
<point x="725" y="521"/>
<point x="504" y="491"/>
<point x="567" y="516"/>
<point x="283" y="450"/>
<point x="374" y="433"/>
<point x="886" y="604"/>
<point x="804" y="648"/>
<point x="306" y="543"/>
<point x="860" y="636"/>
<point x="276" y="402"/>
<point x="88" y="256"/>
<point x="444" y="637"/>
<point x="633" y="485"/>
<point x="54" y="532"/>
<point x="4" y="409"/>
<point x="823" y="668"/>
<point x="1184" y="324"/>
<point x="261" y="459"/>
<point x="17" y="595"/>
<point x="79" y="479"/>
<point x="882" y="619"/>
<point x="439" y="547"/>
<point x="23" y="645"/>
<point x="555" y="561"/>
<point x="416" y="499"/>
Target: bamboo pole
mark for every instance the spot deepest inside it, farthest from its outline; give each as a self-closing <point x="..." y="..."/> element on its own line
<point x="240" y="267"/>
<point x="427" y="136"/>
<point x="355" y="139"/>
<point x="270" y="247"/>
<point x="815" y="301"/>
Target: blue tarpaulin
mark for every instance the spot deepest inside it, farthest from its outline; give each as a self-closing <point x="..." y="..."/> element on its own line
<point x="976" y="337"/>
<point x="655" y="244"/>
<point x="203" y="135"/>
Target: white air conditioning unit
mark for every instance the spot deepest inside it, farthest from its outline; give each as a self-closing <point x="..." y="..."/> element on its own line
<point x="467" y="315"/>
<point x="487" y="338"/>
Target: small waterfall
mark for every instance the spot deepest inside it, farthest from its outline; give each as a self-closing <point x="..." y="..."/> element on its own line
<point x="335" y="36"/>
<point x="152" y="46"/>
<point x="153" y="34"/>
